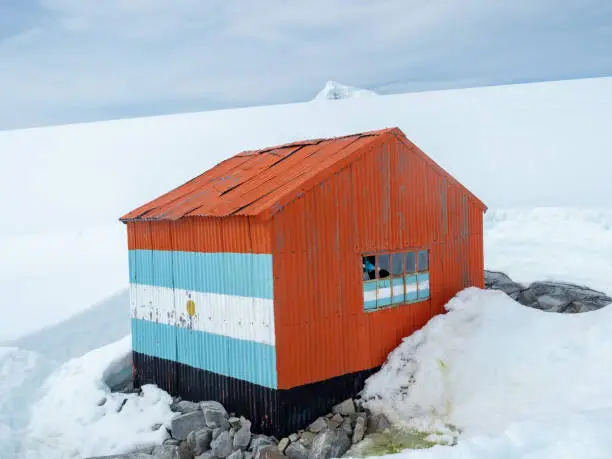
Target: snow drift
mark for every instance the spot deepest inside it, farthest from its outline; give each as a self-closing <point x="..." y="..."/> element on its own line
<point x="78" y="416"/>
<point x="497" y="371"/>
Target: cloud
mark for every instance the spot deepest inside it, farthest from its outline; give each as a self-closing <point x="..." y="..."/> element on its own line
<point x="72" y="60"/>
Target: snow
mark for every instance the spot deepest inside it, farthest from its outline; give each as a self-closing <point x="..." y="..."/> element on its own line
<point x="519" y="145"/>
<point x="78" y="416"/>
<point x="518" y="382"/>
<point x="51" y="276"/>
<point x="336" y="91"/>
<point x="557" y="244"/>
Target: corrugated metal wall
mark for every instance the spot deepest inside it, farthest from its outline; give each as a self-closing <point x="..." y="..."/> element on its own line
<point x="201" y="295"/>
<point x="391" y="199"/>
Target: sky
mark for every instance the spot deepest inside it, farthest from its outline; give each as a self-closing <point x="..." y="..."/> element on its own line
<point x="67" y="61"/>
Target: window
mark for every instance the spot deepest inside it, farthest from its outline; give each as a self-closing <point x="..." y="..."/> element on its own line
<point x="395" y="278"/>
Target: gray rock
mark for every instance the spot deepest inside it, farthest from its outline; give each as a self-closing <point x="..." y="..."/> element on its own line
<point x="172" y="441"/>
<point x="318" y="425"/>
<point x="360" y="429"/>
<point x="248" y="455"/>
<point x="234" y="422"/>
<point x="167" y="452"/>
<point x="282" y="445"/>
<point x="322" y="445"/>
<point x="377" y="423"/>
<point x="222" y="445"/>
<point x="346" y="408"/>
<point x="549" y="296"/>
<point x="258" y="441"/>
<point x="236" y="455"/>
<point x="341" y="444"/>
<point x="268" y="452"/>
<point x="294" y="437"/>
<point x="242" y="437"/>
<point x="307" y="438"/>
<point x="347" y="426"/>
<point x="199" y="440"/>
<point x="296" y="451"/>
<point x="215" y="414"/>
<point x="185" y="406"/>
<point x="205" y="455"/>
<point x="188" y="422"/>
<point x="337" y="418"/>
<point x="123" y="456"/>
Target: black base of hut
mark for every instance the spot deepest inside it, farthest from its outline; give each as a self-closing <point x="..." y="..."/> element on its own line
<point x="277" y="412"/>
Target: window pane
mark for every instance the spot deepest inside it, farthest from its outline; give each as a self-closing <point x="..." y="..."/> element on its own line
<point x="423" y="260"/>
<point x="410" y="262"/>
<point x="397" y="286"/>
<point x="397" y="267"/>
<point x="384" y="265"/>
<point x="369" y="268"/>
<point x="383" y="293"/>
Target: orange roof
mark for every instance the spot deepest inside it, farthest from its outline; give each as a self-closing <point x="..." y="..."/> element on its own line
<point x="258" y="182"/>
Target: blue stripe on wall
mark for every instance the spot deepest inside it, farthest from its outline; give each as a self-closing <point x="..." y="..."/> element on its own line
<point x="242" y="274"/>
<point x="240" y="359"/>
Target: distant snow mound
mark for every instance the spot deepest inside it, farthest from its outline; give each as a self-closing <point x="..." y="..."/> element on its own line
<point x="334" y="91"/>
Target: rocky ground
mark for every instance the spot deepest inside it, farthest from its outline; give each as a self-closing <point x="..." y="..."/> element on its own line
<point x="548" y="296"/>
<point x="206" y="430"/>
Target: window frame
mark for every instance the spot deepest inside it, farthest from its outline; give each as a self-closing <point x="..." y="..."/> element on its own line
<point x="370" y="287"/>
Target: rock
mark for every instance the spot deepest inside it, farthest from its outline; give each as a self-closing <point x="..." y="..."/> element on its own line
<point x="321" y="446"/>
<point x="248" y="455"/>
<point x="360" y="429"/>
<point x="347" y="426"/>
<point x="341" y="444"/>
<point x="185" y="451"/>
<point x="282" y="445"/>
<point x="318" y="425"/>
<point x="124" y="456"/>
<point x="185" y="406"/>
<point x="377" y="423"/>
<point x="294" y="437"/>
<point x="199" y="440"/>
<point x="222" y="445"/>
<point x="296" y="451"/>
<point x="172" y="441"/>
<point x="236" y="455"/>
<point x="242" y="437"/>
<point x="268" y="452"/>
<point x="346" y="408"/>
<point x="206" y="455"/>
<point x="307" y="438"/>
<point x="337" y="418"/>
<point x="259" y="441"/>
<point x="167" y="452"/>
<point x="215" y="414"/>
<point x="549" y="296"/>
<point x="234" y="422"/>
<point x="188" y="422"/>
<point x="499" y="281"/>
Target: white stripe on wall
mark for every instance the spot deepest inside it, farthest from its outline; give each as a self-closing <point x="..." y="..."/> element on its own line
<point x="237" y="317"/>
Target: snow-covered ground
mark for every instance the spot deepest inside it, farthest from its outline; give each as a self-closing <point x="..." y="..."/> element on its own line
<point x="65" y="186"/>
<point x="64" y="269"/>
<point x="520" y="383"/>
<point x="508" y="372"/>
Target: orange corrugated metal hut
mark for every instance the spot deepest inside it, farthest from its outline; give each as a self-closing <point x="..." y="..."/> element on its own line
<point x="280" y="279"/>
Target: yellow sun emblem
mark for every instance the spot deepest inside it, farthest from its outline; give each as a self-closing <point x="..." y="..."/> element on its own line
<point x="191" y="307"/>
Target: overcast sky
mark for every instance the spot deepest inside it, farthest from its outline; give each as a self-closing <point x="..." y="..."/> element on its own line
<point x="79" y="60"/>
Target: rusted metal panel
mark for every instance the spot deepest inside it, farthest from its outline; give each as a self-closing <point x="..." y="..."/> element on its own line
<point x="389" y="199"/>
<point x="232" y="234"/>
